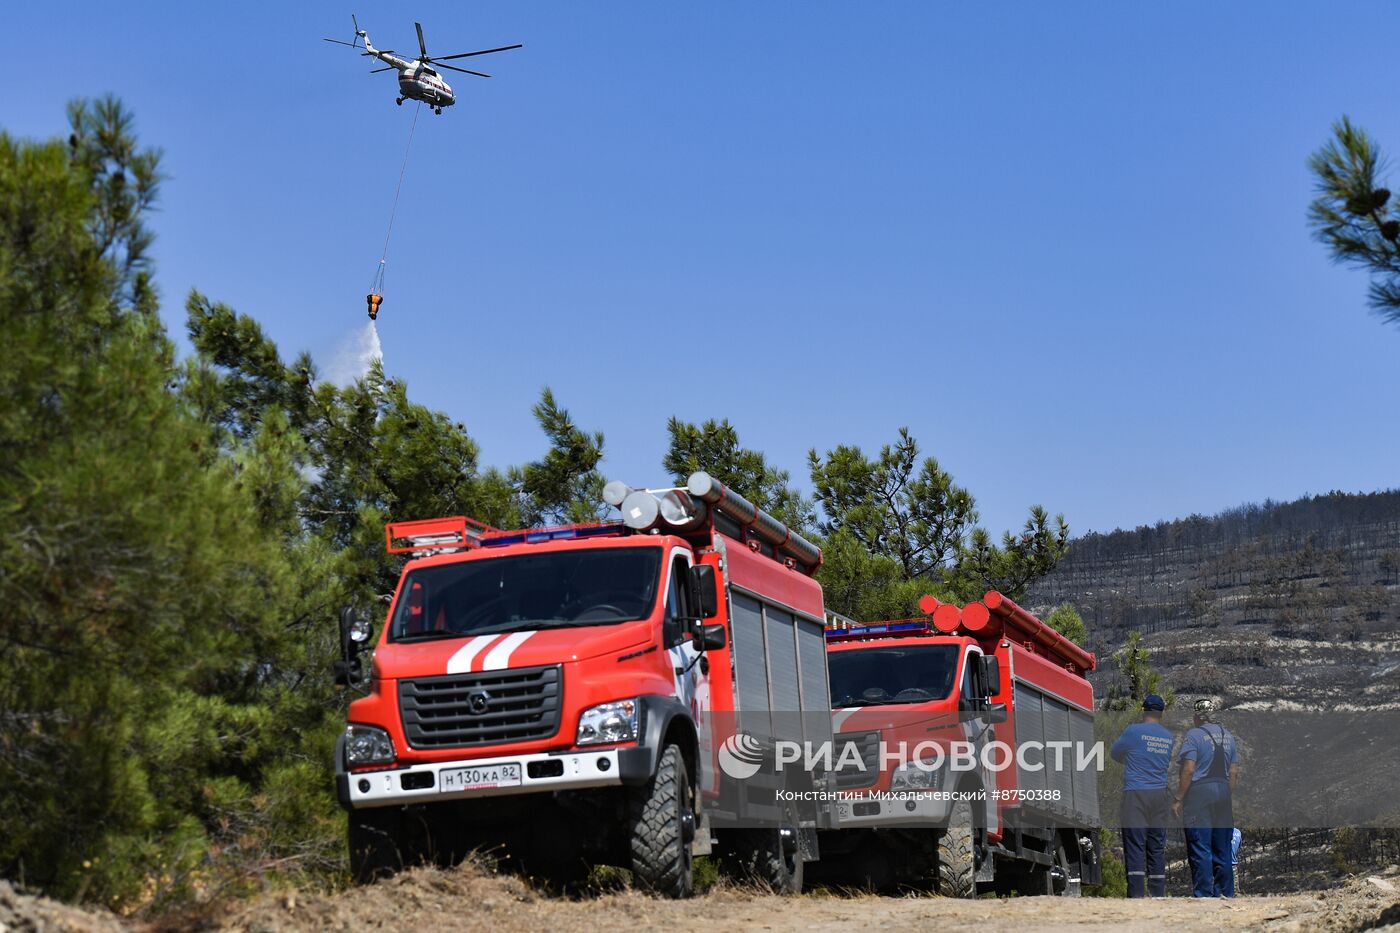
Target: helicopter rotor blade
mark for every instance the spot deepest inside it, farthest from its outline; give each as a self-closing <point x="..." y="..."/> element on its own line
<point x="423" y="49"/>
<point x="462" y="70"/>
<point x="375" y="71"/>
<point x="342" y="42"/>
<point x="504" y="48"/>
<point x="380" y="51"/>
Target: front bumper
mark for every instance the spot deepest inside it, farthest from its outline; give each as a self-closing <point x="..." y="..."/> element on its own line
<point x="610" y="767"/>
<point x="873" y="809"/>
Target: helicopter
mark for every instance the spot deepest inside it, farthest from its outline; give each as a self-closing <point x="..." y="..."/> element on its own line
<point x="418" y="78"/>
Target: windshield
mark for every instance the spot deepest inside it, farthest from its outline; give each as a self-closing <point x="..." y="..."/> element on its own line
<point x="553" y="589"/>
<point x="897" y="674"/>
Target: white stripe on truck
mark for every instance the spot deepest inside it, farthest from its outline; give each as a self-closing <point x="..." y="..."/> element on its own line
<point x="498" y="658"/>
<point x="838" y="719"/>
<point x="461" y="662"/>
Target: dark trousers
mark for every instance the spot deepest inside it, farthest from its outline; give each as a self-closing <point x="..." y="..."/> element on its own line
<point x="1210" y="823"/>
<point x="1144" y="818"/>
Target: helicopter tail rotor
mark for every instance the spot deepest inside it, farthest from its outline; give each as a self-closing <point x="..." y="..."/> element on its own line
<point x="355" y="40"/>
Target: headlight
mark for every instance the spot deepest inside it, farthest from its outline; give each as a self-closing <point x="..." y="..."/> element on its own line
<point x="360" y="630"/>
<point x="608" y="722"/>
<point x="368" y="745"/>
<point x="914" y="776"/>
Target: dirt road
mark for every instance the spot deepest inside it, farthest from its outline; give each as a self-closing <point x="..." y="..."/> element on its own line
<point x="470" y="899"/>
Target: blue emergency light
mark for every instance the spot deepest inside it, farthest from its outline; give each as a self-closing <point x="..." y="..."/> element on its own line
<point x="884" y="628"/>
<point x="562" y="533"/>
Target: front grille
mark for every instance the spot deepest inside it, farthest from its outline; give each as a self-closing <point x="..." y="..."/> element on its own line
<point x="848" y="776"/>
<point x="461" y="710"/>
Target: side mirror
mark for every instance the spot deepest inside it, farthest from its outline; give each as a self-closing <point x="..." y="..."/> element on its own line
<point x="991" y="674"/>
<point x="710" y="637"/>
<point x="347" y="673"/>
<point x="996" y="713"/>
<point x="704" y="595"/>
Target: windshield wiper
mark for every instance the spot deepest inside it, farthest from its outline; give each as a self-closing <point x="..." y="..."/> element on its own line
<point x="852" y="701"/>
<point x="577" y="623"/>
<point x="433" y="636"/>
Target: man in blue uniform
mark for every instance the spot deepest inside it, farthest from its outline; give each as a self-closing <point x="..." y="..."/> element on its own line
<point x="1145" y="749"/>
<point x="1210" y="768"/>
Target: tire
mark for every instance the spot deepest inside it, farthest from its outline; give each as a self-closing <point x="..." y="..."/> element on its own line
<point x="374" y="840"/>
<point x="659" y="814"/>
<point x="757" y="856"/>
<point x="957" y="863"/>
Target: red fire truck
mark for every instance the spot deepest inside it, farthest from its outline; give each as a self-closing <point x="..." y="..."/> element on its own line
<point x="972" y="729"/>
<point x="564" y="696"/>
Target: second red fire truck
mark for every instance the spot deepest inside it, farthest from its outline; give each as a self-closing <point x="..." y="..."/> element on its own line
<point x="980" y="768"/>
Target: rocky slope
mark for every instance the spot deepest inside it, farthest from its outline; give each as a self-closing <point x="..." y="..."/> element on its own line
<point x="1295" y="604"/>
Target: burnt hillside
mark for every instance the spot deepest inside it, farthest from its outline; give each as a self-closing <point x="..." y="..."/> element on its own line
<point x="1296" y="601"/>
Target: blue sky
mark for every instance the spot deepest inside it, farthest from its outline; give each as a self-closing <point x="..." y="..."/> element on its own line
<point x="1064" y="243"/>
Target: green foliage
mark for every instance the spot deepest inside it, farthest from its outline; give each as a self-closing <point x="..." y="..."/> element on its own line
<point x="892" y="527"/>
<point x="1017" y="563"/>
<point x="1114" y="872"/>
<point x="1142" y="680"/>
<point x="124" y="182"/>
<point x="1349" y="848"/>
<point x="910" y="513"/>
<point x="714" y="447"/>
<point x="1065" y="620"/>
<point x="564" y="486"/>
<point x="862" y="585"/>
<point x="919" y="520"/>
<point x="1354" y="216"/>
<point x="128" y="694"/>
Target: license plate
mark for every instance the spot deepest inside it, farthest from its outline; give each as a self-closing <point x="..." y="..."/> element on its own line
<point x="507" y="775"/>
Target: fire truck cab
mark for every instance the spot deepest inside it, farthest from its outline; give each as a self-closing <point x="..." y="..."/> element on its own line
<point x="560" y="696"/>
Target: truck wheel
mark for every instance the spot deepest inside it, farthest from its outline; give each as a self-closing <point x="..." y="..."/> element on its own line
<point x="374" y="841"/>
<point x="660" y="813"/>
<point x="957" y="868"/>
<point x="766" y="856"/>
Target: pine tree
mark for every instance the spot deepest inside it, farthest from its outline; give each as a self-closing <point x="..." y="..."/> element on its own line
<point x="1068" y="622"/>
<point x="564" y="485"/>
<point x="1353" y="214"/>
<point x="143" y="595"/>
<point x="1142" y="679"/>
<point x="911" y="511"/>
<point x="714" y="447"/>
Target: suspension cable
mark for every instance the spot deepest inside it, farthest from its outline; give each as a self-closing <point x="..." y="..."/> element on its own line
<point x="377" y="282"/>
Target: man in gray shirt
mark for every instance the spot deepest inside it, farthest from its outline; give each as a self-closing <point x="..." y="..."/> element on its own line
<point x="1210" y="768"/>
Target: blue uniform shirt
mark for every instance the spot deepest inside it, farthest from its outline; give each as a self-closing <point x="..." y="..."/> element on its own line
<point x="1199" y="746"/>
<point x="1145" y="748"/>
